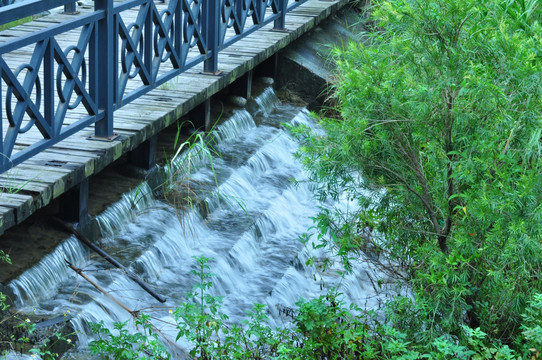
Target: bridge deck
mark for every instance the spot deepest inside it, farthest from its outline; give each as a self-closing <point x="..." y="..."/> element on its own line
<point x="36" y="182"/>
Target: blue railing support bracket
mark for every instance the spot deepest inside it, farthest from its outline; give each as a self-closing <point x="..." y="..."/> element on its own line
<point x="280" y="23"/>
<point x="211" y="26"/>
<point x="104" y="139"/>
<point x="104" y="83"/>
<point x="70" y="9"/>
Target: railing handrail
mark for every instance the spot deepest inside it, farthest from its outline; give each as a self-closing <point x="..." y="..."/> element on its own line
<point x="57" y="29"/>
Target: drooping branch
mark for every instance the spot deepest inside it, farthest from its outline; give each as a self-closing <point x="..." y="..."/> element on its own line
<point x="448" y="148"/>
<point x="426" y="201"/>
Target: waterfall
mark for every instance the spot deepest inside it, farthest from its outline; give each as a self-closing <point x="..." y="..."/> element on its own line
<point x="125" y="210"/>
<point x="267" y="101"/>
<point x="257" y="203"/>
<point x="42" y="280"/>
<point x="240" y="122"/>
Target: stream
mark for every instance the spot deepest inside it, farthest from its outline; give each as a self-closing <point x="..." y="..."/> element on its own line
<point x="251" y="203"/>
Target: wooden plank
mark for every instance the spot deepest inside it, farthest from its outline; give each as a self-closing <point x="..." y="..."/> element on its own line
<point x="59" y="179"/>
<point x="7" y="218"/>
<point x="23" y="205"/>
<point x="63" y="160"/>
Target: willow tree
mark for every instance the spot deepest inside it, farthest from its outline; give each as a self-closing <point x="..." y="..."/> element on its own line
<point x="440" y="113"/>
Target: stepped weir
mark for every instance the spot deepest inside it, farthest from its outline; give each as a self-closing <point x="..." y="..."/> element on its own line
<point x="250" y="203"/>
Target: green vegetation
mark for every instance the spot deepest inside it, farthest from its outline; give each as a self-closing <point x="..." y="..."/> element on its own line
<point x="200" y="322"/>
<point x="128" y="345"/>
<point x="4" y="258"/>
<point x="19" y="335"/>
<point x="15" y="23"/>
<point x="438" y="141"/>
<point x="322" y="328"/>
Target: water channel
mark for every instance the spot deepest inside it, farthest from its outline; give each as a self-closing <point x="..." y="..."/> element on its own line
<point x="251" y="204"/>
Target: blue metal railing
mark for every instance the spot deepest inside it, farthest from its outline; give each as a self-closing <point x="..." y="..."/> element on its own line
<point x="6" y="2"/>
<point x="111" y="63"/>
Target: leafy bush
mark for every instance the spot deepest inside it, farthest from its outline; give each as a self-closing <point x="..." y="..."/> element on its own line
<point x="126" y="344"/>
<point x="324" y="328"/>
<point x="441" y="114"/>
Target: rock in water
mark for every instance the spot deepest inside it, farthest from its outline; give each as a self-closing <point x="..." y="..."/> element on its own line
<point x="238" y="101"/>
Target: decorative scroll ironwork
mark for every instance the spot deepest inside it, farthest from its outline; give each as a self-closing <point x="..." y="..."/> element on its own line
<point x="41" y="91"/>
<point x="246" y="16"/>
<point x="155" y="38"/>
<point x="113" y="62"/>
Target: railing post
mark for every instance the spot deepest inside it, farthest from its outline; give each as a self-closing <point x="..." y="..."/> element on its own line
<point x="280" y="23"/>
<point x="211" y="28"/>
<point x="105" y="69"/>
<point x="4" y="159"/>
<point x="71" y="8"/>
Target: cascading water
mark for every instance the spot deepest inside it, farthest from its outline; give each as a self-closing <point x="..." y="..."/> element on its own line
<point x="267" y="102"/>
<point x="125" y="211"/>
<point x="40" y="281"/>
<point x="254" y="215"/>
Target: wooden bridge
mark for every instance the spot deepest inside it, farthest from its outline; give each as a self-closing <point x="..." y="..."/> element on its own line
<point x="77" y="91"/>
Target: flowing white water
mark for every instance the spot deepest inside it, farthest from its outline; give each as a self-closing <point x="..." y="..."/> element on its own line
<point x="125" y="210"/>
<point x="255" y="214"/>
<point x="267" y="102"/>
<point x="41" y="281"/>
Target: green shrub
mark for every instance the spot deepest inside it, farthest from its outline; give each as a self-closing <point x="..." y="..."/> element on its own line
<point x="439" y="142"/>
<point x="124" y="344"/>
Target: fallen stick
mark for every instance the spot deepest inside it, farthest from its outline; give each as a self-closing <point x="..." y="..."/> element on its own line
<point x="135" y="313"/>
<point x="102" y="290"/>
<point x="109" y="258"/>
